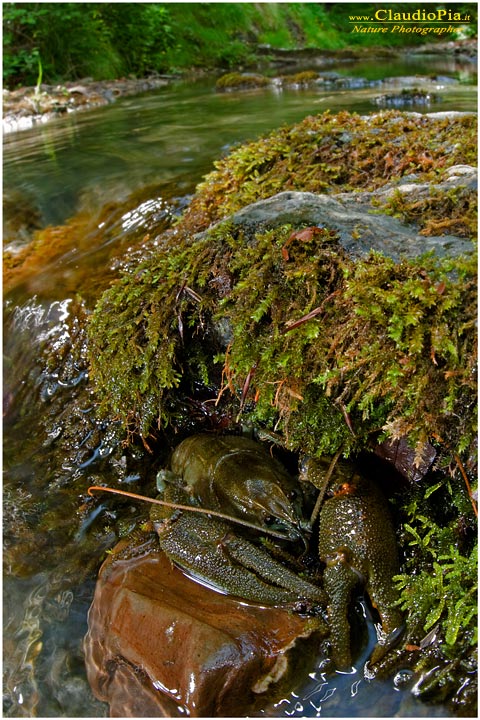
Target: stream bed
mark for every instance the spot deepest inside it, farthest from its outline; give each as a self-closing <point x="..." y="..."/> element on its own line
<point x="135" y="163"/>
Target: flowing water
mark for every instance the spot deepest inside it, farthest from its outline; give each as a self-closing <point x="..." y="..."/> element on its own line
<point x="134" y="165"/>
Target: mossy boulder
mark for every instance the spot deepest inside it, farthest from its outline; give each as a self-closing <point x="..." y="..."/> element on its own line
<point x="334" y="349"/>
<point x="327" y="349"/>
<point x="240" y="81"/>
<point x="332" y="154"/>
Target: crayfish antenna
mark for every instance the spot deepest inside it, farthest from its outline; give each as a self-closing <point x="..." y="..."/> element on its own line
<point x="188" y="508"/>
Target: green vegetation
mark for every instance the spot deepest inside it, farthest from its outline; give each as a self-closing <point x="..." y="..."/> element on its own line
<point x="109" y="40"/>
<point x="412" y="313"/>
<point x="334" y="153"/>
<point x="389" y="346"/>
<point x="439" y="580"/>
<point x="235" y="80"/>
<point x="227" y="34"/>
<point x="73" y="40"/>
<point x="438" y="588"/>
<point x="444" y="590"/>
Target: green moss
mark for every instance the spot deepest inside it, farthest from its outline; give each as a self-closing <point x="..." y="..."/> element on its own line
<point x="387" y="345"/>
<point x="406" y="343"/>
<point x="453" y="212"/>
<point x="439" y="583"/>
<point x="236" y="80"/>
<point x="334" y="153"/>
<point x="379" y="346"/>
<point x="301" y="78"/>
<point x="136" y="335"/>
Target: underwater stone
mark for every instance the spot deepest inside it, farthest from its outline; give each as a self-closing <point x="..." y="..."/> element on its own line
<point x="160" y="644"/>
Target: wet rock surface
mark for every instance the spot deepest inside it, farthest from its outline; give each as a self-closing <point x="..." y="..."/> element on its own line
<point x="407" y="98"/>
<point x="160" y="644"/>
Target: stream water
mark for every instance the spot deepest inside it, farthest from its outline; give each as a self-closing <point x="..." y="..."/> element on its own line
<point x="141" y="156"/>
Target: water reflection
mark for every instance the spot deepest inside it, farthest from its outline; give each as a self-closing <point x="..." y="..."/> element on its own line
<point x="174" y="134"/>
<point x="89" y="251"/>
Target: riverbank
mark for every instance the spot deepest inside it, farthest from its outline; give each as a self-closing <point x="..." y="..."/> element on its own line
<point x="26" y="107"/>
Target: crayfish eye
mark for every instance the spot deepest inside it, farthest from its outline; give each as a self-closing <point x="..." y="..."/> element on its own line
<point x="269" y="520"/>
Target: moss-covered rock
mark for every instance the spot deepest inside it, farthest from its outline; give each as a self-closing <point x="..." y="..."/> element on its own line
<point x="303" y="78"/>
<point x="246" y="81"/>
<point x="334" y="153"/>
<point x="438" y="209"/>
<point x="375" y="344"/>
<point x="240" y="81"/>
<point x="330" y="350"/>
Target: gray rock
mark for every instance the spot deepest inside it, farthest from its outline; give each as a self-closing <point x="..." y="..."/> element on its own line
<point x="360" y="224"/>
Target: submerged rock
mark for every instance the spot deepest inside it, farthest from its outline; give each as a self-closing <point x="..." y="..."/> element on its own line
<point x="160" y="644"/>
<point x="407" y="98"/>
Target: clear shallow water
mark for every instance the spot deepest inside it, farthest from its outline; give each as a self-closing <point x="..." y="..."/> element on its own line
<point x="175" y="134"/>
<point x="166" y="140"/>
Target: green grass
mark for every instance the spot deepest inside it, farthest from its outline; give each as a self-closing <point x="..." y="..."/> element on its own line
<point x="228" y="33"/>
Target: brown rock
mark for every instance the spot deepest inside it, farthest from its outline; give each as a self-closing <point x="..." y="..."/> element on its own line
<point x="160" y="644"/>
<point x="406" y="459"/>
